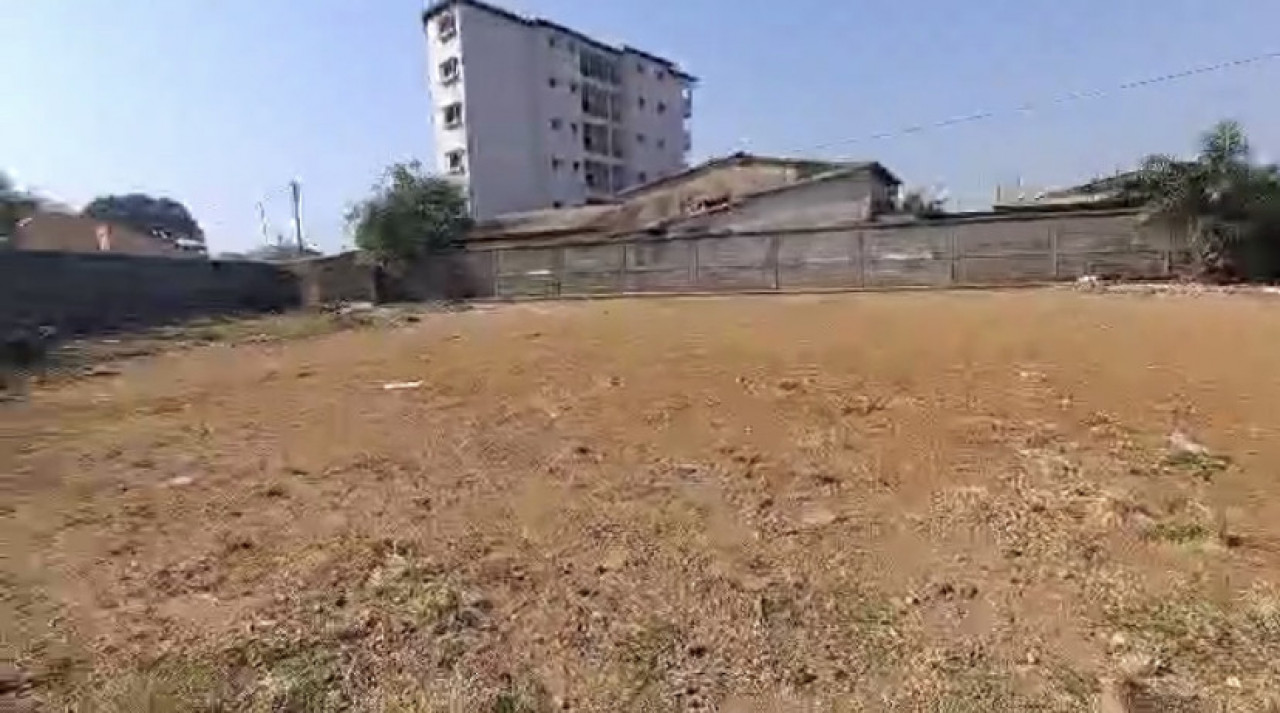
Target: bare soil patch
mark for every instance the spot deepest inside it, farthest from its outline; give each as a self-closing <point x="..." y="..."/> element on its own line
<point x="915" y="501"/>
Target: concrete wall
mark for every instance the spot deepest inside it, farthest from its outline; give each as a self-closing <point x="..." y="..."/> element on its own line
<point x="335" y="278"/>
<point x="990" y="250"/>
<point x="83" y="293"/>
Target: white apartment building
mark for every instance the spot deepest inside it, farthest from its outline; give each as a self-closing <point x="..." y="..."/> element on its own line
<point x="530" y="114"/>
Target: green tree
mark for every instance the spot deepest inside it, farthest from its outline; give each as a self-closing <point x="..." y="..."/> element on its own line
<point x="410" y="215"/>
<point x="1225" y="204"/>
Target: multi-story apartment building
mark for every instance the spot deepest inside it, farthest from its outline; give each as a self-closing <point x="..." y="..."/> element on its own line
<point x="530" y="114"/>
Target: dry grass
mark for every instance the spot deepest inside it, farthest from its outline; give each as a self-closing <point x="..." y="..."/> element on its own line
<point x="944" y="502"/>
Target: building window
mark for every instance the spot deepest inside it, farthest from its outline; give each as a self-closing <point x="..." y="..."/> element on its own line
<point x="662" y="144"/>
<point x="660" y="75"/>
<point x="573" y="87"/>
<point x="453" y="115"/>
<point x="577" y="166"/>
<point x="599" y="67"/>
<point x="557" y="204"/>
<point x="595" y="139"/>
<point x="446" y="26"/>
<point x="600" y="103"/>
<point x="552" y="82"/>
<point x="662" y="107"/>
<point x="640" y="138"/>
<point x="551" y="42"/>
<point x="597" y="175"/>
<point x="456" y="161"/>
<point x="556" y="124"/>
<point x="642" y="177"/>
<point x="639" y="68"/>
<point x="449" y="70"/>
<point x="573" y="128"/>
<point x="556" y="164"/>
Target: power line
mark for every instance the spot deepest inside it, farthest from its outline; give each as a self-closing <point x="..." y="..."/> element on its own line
<point x="1066" y="98"/>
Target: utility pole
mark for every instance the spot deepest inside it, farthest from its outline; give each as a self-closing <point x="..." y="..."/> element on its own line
<point x="262" y="224"/>
<point x="296" y="190"/>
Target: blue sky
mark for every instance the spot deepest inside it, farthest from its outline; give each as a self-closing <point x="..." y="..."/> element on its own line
<point x="219" y="103"/>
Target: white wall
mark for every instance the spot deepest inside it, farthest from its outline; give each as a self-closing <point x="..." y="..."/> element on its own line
<point x="503" y="127"/>
<point x="508" y="106"/>
<point x="566" y="185"/>
<point x="660" y="129"/>
<point x="442" y="95"/>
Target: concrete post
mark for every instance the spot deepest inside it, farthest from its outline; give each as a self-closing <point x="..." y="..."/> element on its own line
<point x="953" y="247"/>
<point x="771" y="256"/>
<point x="694" y="281"/>
<point x="1053" y="253"/>
<point x="557" y="270"/>
<point x="860" y="244"/>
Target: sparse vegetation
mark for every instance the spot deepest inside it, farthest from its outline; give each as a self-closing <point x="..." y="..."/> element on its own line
<point x="871" y="501"/>
<point x="1201" y="465"/>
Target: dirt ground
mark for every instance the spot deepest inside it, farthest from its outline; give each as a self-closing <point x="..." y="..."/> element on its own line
<point x="970" y="501"/>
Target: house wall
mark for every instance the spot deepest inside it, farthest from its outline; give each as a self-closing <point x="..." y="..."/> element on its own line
<point x="841" y="200"/>
<point x="84" y="293"/>
<point x="64" y="232"/>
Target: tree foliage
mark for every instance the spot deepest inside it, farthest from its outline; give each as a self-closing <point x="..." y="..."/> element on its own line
<point x="163" y="217"/>
<point x="922" y="204"/>
<point x="410" y="215"/>
<point x="1227" y="205"/>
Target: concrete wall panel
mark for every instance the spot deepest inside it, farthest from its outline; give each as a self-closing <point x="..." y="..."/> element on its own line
<point x="1004" y="270"/>
<point x="908" y="243"/>
<point x="1002" y="238"/>
<point x="817" y="248"/>
<point x="665" y="255"/>
<point x="658" y="281"/>
<point x="529" y="261"/>
<point x="734" y="278"/>
<point x="594" y="258"/>
<point x="743" y="251"/>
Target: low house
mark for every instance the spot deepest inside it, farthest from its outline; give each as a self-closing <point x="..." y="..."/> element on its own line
<point x="69" y="232"/>
<point x="741" y="192"/>
<point x="1099" y="194"/>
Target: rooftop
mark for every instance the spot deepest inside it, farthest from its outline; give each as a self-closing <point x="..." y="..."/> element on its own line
<point x="807" y="167"/>
<point x="440" y="6"/>
<point x="660" y="204"/>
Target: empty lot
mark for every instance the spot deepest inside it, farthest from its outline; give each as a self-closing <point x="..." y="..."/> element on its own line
<point x="914" y="501"/>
